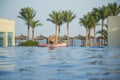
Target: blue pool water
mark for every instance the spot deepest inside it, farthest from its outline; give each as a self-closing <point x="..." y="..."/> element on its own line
<point x="66" y="63"/>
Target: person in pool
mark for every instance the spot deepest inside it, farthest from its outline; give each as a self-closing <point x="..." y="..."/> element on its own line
<point x="51" y="42"/>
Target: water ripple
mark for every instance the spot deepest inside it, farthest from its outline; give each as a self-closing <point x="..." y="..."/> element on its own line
<point x="65" y="63"/>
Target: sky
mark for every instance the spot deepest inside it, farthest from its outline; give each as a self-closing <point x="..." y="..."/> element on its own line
<point x="9" y="9"/>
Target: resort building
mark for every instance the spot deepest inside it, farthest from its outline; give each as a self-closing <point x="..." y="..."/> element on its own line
<point x="113" y="31"/>
<point x="7" y="32"/>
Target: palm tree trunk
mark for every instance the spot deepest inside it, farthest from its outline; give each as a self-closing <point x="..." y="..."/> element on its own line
<point x="58" y="33"/>
<point x="86" y="39"/>
<point x="102" y="32"/>
<point x="28" y="32"/>
<point x="68" y="38"/>
<point x="32" y="34"/>
<point x="94" y="35"/>
<point x="56" y="37"/>
<point x="89" y="38"/>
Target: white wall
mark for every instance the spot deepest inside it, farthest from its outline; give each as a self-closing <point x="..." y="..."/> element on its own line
<point x="8" y="26"/>
<point x="113" y="31"/>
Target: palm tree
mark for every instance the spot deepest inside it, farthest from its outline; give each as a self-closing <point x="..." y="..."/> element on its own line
<point x="27" y="14"/>
<point x="90" y="26"/>
<point x="34" y="24"/>
<point x="56" y="18"/>
<point x="102" y="14"/>
<point x="85" y="21"/>
<point x="94" y="20"/>
<point x="68" y="17"/>
<point x="59" y="30"/>
<point x="104" y="32"/>
<point x="114" y="8"/>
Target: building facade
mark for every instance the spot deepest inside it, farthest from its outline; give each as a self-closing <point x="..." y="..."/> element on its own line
<point x="7" y="32"/>
<point x="114" y="31"/>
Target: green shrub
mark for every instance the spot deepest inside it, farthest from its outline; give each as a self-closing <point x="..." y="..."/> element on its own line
<point x="29" y="43"/>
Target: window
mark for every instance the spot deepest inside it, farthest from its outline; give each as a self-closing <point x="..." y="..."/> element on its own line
<point x="10" y="38"/>
<point x="2" y="39"/>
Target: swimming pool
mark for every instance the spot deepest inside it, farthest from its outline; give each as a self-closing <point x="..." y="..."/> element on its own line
<point x="65" y="63"/>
